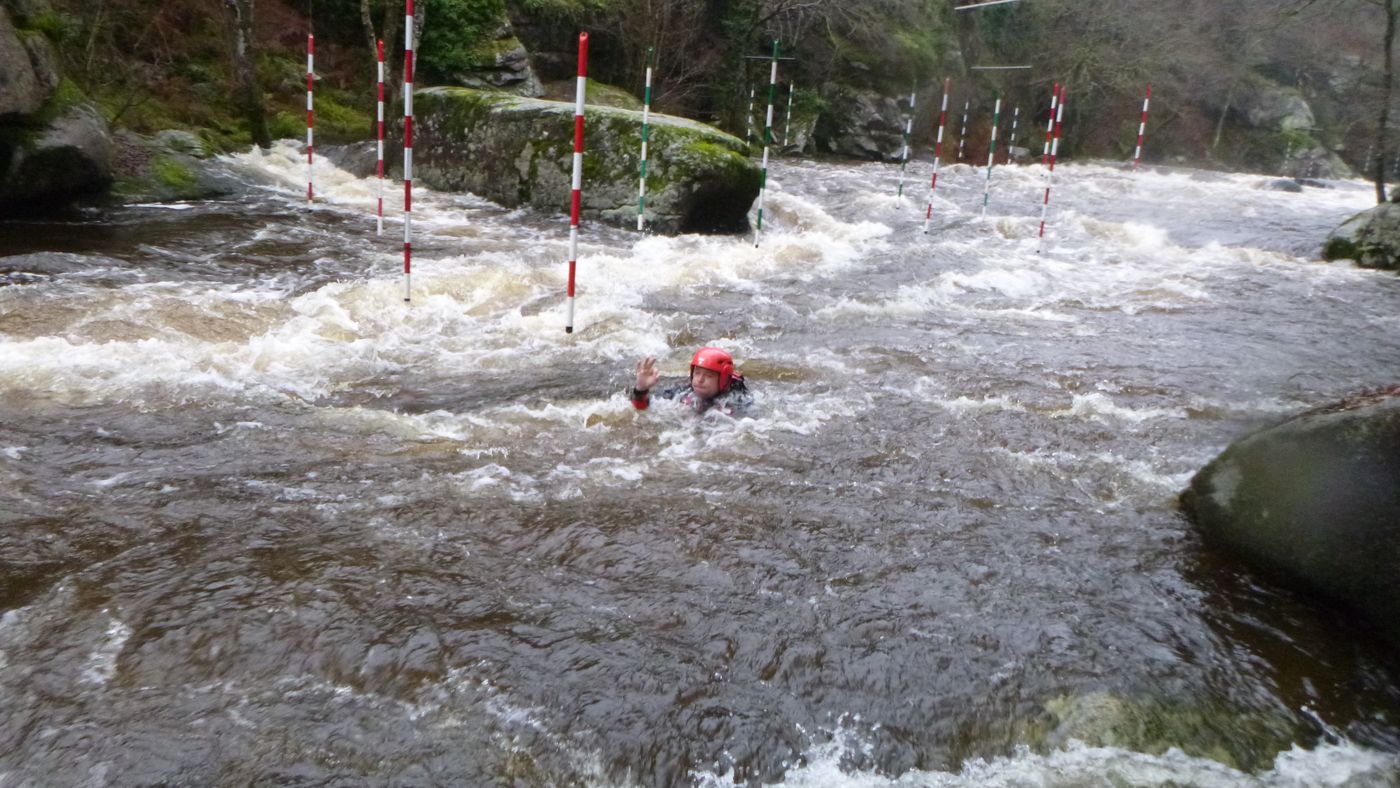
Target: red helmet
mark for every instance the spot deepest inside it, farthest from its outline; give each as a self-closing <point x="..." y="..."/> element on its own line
<point x="716" y="360"/>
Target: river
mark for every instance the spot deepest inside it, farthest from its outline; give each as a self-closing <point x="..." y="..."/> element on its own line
<point x="262" y="522"/>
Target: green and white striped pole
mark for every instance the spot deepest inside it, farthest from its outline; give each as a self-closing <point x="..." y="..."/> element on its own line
<point x="642" y="179"/>
<point x="748" y="120"/>
<point x="908" y="129"/>
<point x="787" y="127"/>
<point x="991" y="156"/>
<point x="767" y="140"/>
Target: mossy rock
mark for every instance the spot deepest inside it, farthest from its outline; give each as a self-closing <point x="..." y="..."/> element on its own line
<point x="167" y="167"/>
<point x="1371" y="238"/>
<point x="1241" y="740"/>
<point x="519" y="151"/>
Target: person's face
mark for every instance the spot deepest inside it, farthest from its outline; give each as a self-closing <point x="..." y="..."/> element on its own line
<point x="705" y="382"/>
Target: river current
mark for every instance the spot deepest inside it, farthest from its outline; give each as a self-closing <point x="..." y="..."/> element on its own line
<point x="262" y="522"/>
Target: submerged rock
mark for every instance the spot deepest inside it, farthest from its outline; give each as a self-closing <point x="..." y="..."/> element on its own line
<point x="519" y="151"/>
<point x="1316" y="502"/>
<point x="1240" y="740"/>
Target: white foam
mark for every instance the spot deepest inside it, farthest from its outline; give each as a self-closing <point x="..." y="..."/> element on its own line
<point x="1077" y="764"/>
<point x="101" y="664"/>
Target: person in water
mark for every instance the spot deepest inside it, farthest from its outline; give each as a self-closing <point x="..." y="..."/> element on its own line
<point x="713" y="384"/>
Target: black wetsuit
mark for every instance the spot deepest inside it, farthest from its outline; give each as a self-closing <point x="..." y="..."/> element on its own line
<point x="733" y="401"/>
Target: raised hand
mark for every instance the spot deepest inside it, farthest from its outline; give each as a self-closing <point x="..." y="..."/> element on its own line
<point x="647" y="373"/>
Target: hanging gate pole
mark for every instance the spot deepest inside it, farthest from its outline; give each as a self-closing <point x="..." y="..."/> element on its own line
<point x="576" y="196"/>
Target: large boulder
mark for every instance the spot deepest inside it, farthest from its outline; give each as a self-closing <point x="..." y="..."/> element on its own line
<point x="1315" y="501"/>
<point x="861" y="124"/>
<point x="70" y="158"/>
<point x="1371" y="238"/>
<point x="519" y="151"/>
<point x="23" y="87"/>
<point x="168" y="166"/>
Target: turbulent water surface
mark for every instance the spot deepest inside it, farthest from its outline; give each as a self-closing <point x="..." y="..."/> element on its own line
<point x="263" y="522"/>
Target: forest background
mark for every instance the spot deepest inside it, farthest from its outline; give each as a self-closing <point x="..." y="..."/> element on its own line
<point x="1292" y="87"/>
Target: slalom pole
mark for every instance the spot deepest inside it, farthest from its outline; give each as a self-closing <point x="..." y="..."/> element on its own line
<point x="787" y="126"/>
<point x="642" y="179"/>
<point x="908" y="129"/>
<point x="962" y="137"/>
<point x="1050" y="127"/>
<point x="1142" y="128"/>
<point x="937" y="153"/>
<point x="1011" y="140"/>
<point x="767" y="140"/>
<point x="310" y="71"/>
<point x="576" y="197"/>
<point x="748" y="120"/>
<point x="991" y="156"/>
<point x="407" y="150"/>
<point x="379" y="165"/>
<point x="1057" y="120"/>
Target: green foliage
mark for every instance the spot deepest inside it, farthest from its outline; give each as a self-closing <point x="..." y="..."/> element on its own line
<point x="66" y="96"/>
<point x="460" y="37"/>
<point x="172" y="173"/>
<point x="57" y="27"/>
<point x="1338" y="248"/>
<point x="572" y="10"/>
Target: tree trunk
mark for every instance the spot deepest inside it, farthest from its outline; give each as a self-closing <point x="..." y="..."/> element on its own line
<point x="245" y="60"/>
<point x="1392" y="11"/>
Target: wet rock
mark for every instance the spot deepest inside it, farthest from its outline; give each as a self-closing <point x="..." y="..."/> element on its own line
<point x="1156" y="725"/>
<point x="862" y="124"/>
<point x="170" y="166"/>
<point x="70" y="159"/>
<point x="23" y="89"/>
<point x="1315" y="501"/>
<point x="519" y="151"/>
<point x="1371" y="238"/>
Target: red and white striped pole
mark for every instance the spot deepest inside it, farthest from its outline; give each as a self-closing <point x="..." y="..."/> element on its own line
<point x="408" y="151"/>
<point x="379" y="167"/>
<point x="310" y="53"/>
<point x="937" y="153"/>
<point x="1050" y="127"/>
<point x="1142" y="128"/>
<point x="576" y="198"/>
<point x="1057" y="122"/>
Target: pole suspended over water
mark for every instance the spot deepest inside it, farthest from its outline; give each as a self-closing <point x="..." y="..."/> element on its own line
<point x="962" y="136"/>
<point x="642" y="179"/>
<point x="310" y="87"/>
<point x="408" y="151"/>
<point x="379" y="161"/>
<point x="1142" y="128"/>
<point x="1050" y="127"/>
<point x="576" y="196"/>
<point x="908" y="130"/>
<point x="991" y="156"/>
<point x="787" y="126"/>
<point x="748" y="120"/>
<point x="767" y="140"/>
<point x="937" y="153"/>
<point x="1011" y="138"/>
<point x="1057" y="120"/>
